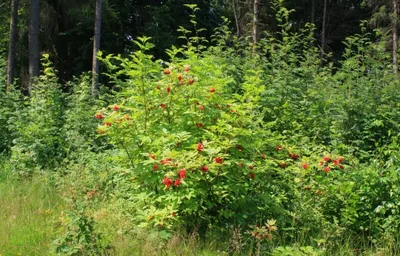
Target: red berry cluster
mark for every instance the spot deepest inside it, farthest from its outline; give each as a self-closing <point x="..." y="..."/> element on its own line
<point x="327" y="163"/>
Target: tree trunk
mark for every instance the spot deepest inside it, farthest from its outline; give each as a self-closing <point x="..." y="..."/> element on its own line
<point x="395" y="35"/>
<point x="236" y="18"/>
<point x="323" y="34"/>
<point x="255" y="24"/>
<point x="312" y="11"/>
<point x="12" y="43"/>
<point x="96" y="49"/>
<point x="34" y="43"/>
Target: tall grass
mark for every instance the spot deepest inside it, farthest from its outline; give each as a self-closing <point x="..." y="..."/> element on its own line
<point x="27" y="212"/>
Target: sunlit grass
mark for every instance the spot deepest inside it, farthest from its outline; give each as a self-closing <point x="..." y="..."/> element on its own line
<point x="28" y="209"/>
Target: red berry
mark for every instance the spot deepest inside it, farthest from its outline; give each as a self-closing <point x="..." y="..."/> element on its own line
<point x="199" y="125"/>
<point x="99" y="116"/>
<point x="204" y="168"/>
<point x="127" y="117"/>
<point x="200" y="147"/>
<point x="158" y="87"/>
<point x="305" y="166"/>
<point x="166" y="161"/>
<point x="155" y="167"/>
<point x="167" y="71"/>
<point x="219" y="160"/>
<point x="327" y="158"/>
<point x="201" y="108"/>
<point x="283" y="165"/>
<point x="177" y="182"/>
<point x="186" y="69"/>
<point x="251" y="176"/>
<point x="278" y="148"/>
<point x="182" y="173"/>
<point x="163" y="106"/>
<point x="239" y="147"/>
<point x="152" y="156"/>
<point x="212" y="90"/>
<point x="116" y="108"/>
<point x="327" y="169"/>
<point x="108" y="124"/>
<point x="241" y="164"/>
<point x="294" y="156"/>
<point x="341" y="166"/>
<point x="168" y="89"/>
<point x="251" y="167"/>
<point x="335" y="162"/>
<point x="191" y="81"/>
<point x="167" y="182"/>
<point x="180" y="77"/>
<point x="341" y="159"/>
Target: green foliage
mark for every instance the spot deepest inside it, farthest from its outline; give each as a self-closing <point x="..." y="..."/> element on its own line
<point x="39" y="142"/>
<point x="9" y="102"/>
<point x="78" y="234"/>
<point x="293" y="251"/>
<point x="220" y="137"/>
<point x="80" y="125"/>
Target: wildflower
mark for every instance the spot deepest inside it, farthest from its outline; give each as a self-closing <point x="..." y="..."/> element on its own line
<point x="167" y="71"/>
<point x="116" y="108"/>
<point x="327" y="169"/>
<point x="305" y="166"/>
